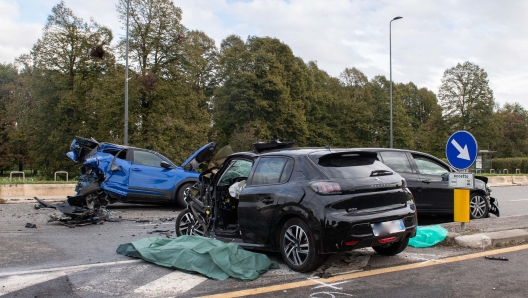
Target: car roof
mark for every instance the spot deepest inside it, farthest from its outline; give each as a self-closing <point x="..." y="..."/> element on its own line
<point x="298" y="151"/>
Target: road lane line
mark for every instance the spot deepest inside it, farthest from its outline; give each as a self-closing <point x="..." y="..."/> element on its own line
<point x="16" y="283"/>
<point x="519" y="200"/>
<point x="310" y="282"/>
<point x="167" y="287"/>
<point x="69" y="268"/>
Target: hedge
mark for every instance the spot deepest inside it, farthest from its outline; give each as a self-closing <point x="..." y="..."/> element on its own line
<point x="511" y="164"/>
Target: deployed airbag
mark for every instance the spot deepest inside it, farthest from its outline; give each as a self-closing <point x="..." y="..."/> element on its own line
<point x="212" y="258"/>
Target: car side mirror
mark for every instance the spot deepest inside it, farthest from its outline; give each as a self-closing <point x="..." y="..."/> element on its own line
<point x="445" y="177"/>
<point x="165" y="165"/>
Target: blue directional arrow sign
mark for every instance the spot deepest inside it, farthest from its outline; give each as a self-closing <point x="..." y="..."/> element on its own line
<point x="461" y="150"/>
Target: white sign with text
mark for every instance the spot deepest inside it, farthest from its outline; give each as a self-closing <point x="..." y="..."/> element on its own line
<point x="461" y="180"/>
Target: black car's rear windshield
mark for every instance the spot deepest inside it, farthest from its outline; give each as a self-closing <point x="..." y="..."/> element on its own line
<point x="352" y="165"/>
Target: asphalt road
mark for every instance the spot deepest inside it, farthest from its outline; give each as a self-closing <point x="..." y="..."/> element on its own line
<point x="513" y="200"/>
<point x="57" y="261"/>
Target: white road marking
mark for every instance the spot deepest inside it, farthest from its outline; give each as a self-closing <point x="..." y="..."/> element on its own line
<point x="171" y="284"/>
<point x="68" y="268"/>
<point x="18" y="282"/>
<point x="518" y="200"/>
<point x="324" y="285"/>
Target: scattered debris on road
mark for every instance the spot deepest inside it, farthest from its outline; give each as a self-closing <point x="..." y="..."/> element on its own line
<point x="31" y="225"/>
<point x="496" y="258"/>
<point x="75" y="215"/>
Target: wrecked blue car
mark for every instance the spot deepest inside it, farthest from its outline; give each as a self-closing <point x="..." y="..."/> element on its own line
<point x="115" y="173"/>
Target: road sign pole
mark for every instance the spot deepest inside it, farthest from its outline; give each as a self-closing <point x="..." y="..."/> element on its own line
<point x="461" y="152"/>
<point x="461" y="206"/>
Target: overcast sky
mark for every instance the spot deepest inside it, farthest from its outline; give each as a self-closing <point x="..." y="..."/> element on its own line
<point x="432" y="36"/>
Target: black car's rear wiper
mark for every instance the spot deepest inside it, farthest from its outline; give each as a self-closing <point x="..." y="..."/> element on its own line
<point x="381" y="173"/>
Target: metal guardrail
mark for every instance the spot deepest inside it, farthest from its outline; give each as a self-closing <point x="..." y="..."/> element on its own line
<point x="517" y="171"/>
<point x="478" y="171"/>
<point x="505" y="171"/>
<point x="17" y="172"/>
<point x="60" y="172"/>
<point x="492" y="171"/>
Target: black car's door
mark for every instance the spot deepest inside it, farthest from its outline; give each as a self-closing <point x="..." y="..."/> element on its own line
<point x="399" y="162"/>
<point x="435" y="191"/>
<point x="258" y="200"/>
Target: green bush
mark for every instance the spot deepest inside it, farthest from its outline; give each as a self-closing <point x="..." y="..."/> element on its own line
<point x="511" y="164"/>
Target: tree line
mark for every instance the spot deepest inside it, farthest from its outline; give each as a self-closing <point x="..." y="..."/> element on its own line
<point x="185" y="91"/>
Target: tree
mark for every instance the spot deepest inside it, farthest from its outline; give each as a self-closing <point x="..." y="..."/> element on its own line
<point x="467" y="102"/>
<point x="173" y="79"/>
<point x="260" y="84"/>
<point x="63" y="69"/>
<point x="512" y="121"/>
<point x="425" y="114"/>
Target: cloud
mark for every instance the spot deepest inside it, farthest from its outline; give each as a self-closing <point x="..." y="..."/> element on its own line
<point x="432" y="36"/>
<point x="15" y="38"/>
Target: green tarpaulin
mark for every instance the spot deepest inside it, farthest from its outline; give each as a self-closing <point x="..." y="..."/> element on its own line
<point x="212" y="258"/>
<point x="428" y="236"/>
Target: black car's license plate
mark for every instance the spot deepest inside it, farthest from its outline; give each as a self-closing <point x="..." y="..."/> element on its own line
<point x="388" y="227"/>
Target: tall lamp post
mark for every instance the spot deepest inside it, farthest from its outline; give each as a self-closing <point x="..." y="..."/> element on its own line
<point x="390" y="59"/>
<point x="125" y="141"/>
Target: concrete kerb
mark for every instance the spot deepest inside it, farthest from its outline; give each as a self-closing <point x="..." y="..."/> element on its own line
<point x="520" y="180"/>
<point x="501" y="180"/>
<point x="488" y="240"/>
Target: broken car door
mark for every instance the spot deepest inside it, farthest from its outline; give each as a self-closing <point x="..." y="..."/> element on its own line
<point x="117" y="180"/>
<point x="258" y="200"/>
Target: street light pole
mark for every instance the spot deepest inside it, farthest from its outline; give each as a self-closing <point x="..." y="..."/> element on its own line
<point x="390" y="62"/>
<point x="125" y="142"/>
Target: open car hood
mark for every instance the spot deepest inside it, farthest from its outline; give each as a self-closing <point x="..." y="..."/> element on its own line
<point x="200" y="156"/>
<point x="80" y="147"/>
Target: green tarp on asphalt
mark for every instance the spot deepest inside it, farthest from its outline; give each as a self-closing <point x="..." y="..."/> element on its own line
<point x="428" y="236"/>
<point x="212" y="258"/>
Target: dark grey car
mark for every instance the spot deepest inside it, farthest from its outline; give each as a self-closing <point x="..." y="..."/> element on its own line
<point x="427" y="178"/>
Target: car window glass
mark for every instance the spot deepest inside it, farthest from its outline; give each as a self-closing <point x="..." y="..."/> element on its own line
<point x="287" y="171"/>
<point x="269" y="170"/>
<point x="427" y="166"/>
<point x="350" y="165"/>
<point x="147" y="159"/>
<point x="236" y="169"/>
<point x="397" y="161"/>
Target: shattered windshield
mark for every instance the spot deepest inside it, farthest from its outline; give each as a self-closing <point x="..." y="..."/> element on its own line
<point x="237" y="168"/>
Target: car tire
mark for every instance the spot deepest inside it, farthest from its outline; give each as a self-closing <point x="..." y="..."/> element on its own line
<point x="297" y="246"/>
<point x="180" y="195"/>
<point x="90" y="193"/>
<point x="478" y="206"/>
<point x="186" y="224"/>
<point x="393" y="248"/>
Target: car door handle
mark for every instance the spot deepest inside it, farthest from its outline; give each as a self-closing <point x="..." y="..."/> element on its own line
<point x="268" y="200"/>
<point x="136" y="169"/>
<point x="426" y="181"/>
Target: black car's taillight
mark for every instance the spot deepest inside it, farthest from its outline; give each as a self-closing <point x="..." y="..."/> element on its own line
<point x="326" y="188"/>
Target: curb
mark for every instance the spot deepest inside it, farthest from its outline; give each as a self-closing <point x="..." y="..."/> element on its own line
<point x="30" y="200"/>
<point x="487" y="240"/>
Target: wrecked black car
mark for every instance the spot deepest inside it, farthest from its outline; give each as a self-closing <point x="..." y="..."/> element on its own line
<point x="116" y="173"/>
<point x="303" y="202"/>
<point x="427" y="178"/>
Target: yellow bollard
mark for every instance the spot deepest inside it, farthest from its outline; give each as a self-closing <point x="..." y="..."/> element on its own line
<point x="461" y="205"/>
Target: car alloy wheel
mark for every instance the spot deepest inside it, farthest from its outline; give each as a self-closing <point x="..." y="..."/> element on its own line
<point x="296" y="245"/>
<point x="478" y="206"/>
<point x="187" y="225"/>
